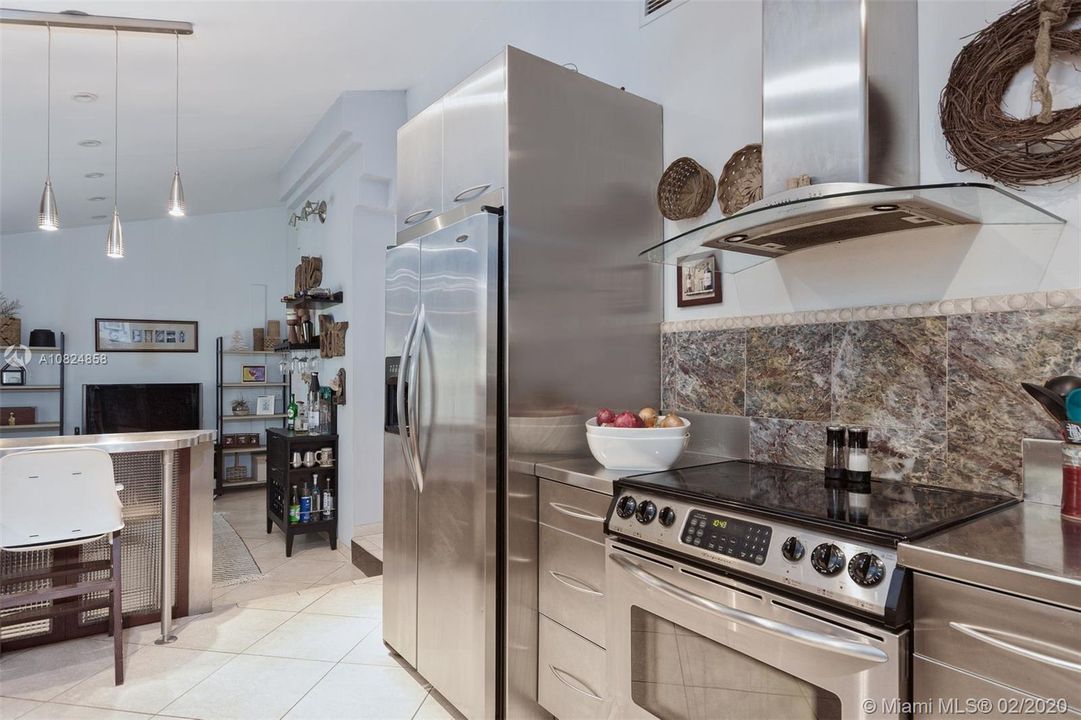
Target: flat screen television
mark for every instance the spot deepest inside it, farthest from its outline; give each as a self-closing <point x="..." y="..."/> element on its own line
<point x="141" y="407"/>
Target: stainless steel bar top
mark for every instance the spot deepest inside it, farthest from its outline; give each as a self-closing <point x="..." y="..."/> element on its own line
<point x="588" y="474"/>
<point x="112" y="442"/>
<point x="1026" y="549"/>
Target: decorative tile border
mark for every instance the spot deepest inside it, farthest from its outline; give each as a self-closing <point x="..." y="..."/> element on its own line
<point x="962" y="306"/>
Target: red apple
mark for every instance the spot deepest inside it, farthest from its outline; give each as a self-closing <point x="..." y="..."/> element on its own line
<point x="605" y="416"/>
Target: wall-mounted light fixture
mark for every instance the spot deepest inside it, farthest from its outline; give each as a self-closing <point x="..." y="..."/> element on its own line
<point x="310" y="208"/>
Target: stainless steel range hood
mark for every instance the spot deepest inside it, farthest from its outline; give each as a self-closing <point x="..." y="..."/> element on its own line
<point x="840" y="106"/>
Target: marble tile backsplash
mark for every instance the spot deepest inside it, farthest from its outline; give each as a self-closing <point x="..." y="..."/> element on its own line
<point x="941" y="395"/>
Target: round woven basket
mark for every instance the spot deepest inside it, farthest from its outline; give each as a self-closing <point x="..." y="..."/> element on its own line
<point x="685" y="190"/>
<point x="741" y="180"/>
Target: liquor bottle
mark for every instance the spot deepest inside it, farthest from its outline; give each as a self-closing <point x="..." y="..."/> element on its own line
<point x="291" y="412"/>
<point x="325" y="396"/>
<point x="313" y="403"/>
<point x="305" y="505"/>
<point x="294" y="507"/>
<point x="328" y="502"/>
<point x="317" y="499"/>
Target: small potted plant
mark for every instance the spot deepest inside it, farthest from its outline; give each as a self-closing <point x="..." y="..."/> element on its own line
<point x="240" y="407"/>
<point x="11" y="327"/>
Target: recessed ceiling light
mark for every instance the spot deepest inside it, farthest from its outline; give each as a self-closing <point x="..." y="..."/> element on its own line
<point x="94" y="175"/>
<point x="89" y="143"/>
<point x="97" y="198"/>
<point x="735" y="238"/>
<point x="98" y="217"/>
<point x="84" y="97"/>
<point x="884" y="208"/>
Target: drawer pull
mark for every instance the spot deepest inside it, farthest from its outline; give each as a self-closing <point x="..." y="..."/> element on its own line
<point x="987" y="635"/>
<point x="471" y="193"/>
<point x="416" y="217"/>
<point x="572" y="682"/>
<point x="575" y="584"/>
<point x="575" y="512"/>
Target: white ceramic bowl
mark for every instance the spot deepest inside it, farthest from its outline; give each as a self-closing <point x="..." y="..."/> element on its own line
<point x="592" y="428"/>
<point x="644" y="454"/>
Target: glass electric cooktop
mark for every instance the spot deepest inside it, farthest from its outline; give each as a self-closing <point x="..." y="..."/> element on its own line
<point x="887" y="509"/>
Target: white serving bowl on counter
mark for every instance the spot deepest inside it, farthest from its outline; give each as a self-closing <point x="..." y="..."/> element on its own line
<point x="637" y="449"/>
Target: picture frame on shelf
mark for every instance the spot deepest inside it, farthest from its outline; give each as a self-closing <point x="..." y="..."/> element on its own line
<point x="253" y="373"/>
<point x="264" y="405"/>
<point x="13" y="374"/>
<point x="129" y="335"/>
<point x="698" y="280"/>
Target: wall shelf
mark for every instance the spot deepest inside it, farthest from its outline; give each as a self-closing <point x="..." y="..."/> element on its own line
<point x="252" y="384"/>
<point x="29" y="388"/>
<point x="287" y="347"/>
<point x="304" y="302"/>
<point x="259" y="450"/>
<point x="253" y="416"/>
<point x="29" y="427"/>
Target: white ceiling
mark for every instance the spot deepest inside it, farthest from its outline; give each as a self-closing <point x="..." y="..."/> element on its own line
<point x="255" y="77"/>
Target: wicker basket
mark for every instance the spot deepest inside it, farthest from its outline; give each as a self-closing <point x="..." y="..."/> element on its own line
<point x="741" y="180"/>
<point x="685" y="190"/>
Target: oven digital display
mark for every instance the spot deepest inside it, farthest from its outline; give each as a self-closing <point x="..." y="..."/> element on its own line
<point x="728" y="536"/>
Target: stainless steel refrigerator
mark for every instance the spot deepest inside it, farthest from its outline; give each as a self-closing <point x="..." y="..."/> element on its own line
<point x="515" y="305"/>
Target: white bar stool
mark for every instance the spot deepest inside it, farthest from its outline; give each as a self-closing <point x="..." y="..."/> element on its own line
<point x="62" y="498"/>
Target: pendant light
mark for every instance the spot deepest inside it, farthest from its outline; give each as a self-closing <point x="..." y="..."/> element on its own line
<point x="175" y="206"/>
<point x="114" y="239"/>
<point x="48" y="215"/>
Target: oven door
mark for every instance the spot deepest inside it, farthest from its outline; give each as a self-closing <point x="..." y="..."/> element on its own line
<point x="686" y="643"/>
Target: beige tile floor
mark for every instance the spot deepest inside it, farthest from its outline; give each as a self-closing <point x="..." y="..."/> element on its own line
<point x="303" y="642"/>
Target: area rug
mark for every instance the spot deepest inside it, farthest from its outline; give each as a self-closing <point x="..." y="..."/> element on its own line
<point x="233" y="563"/>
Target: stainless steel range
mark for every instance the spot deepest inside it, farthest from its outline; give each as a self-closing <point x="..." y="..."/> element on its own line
<point x="746" y="590"/>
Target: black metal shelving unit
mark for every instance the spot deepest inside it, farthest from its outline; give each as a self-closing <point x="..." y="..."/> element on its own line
<point x="8" y="393"/>
<point x="220" y="451"/>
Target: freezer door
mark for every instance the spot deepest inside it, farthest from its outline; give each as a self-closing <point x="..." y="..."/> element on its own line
<point x="399" y="489"/>
<point x="457" y="350"/>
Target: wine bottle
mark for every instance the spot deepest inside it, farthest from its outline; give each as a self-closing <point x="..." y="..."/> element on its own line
<point x="291" y="412"/>
<point x="294" y="507"/>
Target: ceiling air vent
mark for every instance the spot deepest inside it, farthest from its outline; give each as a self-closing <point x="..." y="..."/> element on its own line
<point x="653" y="9"/>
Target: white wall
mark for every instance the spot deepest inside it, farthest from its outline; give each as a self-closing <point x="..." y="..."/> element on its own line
<point x="227" y="271"/>
<point x="702" y="62"/>
<point x="349" y="160"/>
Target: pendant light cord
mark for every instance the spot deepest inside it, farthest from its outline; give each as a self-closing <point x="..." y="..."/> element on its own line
<point x="49" y="108"/>
<point x="177" y="102"/>
<point x="116" y="119"/>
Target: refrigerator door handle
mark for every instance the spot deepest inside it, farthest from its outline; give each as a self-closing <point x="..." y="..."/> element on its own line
<point x="414" y="391"/>
<point x="404" y="426"/>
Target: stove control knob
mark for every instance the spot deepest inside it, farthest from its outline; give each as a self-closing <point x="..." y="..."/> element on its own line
<point x="792" y="549"/>
<point x="668" y="517"/>
<point x="626" y="506"/>
<point x="827" y="559"/>
<point x="646" y="512"/>
<point x="866" y="569"/>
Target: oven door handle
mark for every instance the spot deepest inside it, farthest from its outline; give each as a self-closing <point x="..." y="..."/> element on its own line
<point x="771" y="627"/>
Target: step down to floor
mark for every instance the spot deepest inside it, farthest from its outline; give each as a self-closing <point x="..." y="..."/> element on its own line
<point x="364" y="561"/>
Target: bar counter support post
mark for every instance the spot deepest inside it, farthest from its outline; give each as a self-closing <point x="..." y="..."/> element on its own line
<point x="166" y="548"/>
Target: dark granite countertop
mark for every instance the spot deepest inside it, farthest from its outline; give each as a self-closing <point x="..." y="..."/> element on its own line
<point x="1026" y="549"/>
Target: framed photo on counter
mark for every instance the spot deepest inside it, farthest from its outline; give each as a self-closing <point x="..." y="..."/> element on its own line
<point x="119" y="335"/>
<point x="698" y="280"/>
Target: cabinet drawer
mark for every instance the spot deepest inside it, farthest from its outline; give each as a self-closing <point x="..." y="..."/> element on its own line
<point x="571" y="674"/>
<point x="941" y="691"/>
<point x="571" y="585"/>
<point x="1027" y="645"/>
<point x="573" y="509"/>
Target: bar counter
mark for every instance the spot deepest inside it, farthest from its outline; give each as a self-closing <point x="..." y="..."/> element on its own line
<point x="141" y="464"/>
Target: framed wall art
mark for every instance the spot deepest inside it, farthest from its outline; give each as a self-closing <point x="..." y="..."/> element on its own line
<point x="253" y="373"/>
<point x="119" y="335"/>
<point x="698" y="280"/>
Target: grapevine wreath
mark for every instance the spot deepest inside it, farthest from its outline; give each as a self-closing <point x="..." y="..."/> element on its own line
<point x="1037" y="150"/>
